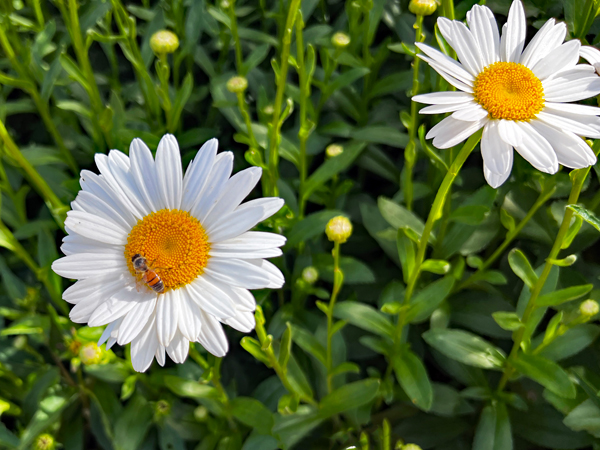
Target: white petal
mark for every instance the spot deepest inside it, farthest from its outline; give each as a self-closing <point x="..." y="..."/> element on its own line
<point x="513" y="38"/>
<point x="458" y="84"/>
<point x="449" y="65"/>
<point x="210" y="298"/>
<point x="472" y="114"/>
<point x="509" y="132"/>
<point x="495" y="180"/>
<point x="85" y="265"/>
<point x="440" y="109"/>
<point x="582" y="125"/>
<point x="97" y="185"/>
<point x="118" y="305"/>
<point x="497" y="154"/>
<point x="590" y="54"/>
<point x="96" y="228"/>
<point x="167" y="316"/>
<point x="573" y="108"/>
<point x="242" y="299"/>
<point x="450" y="131"/>
<point x="275" y="275"/>
<point x="484" y="28"/>
<point x="75" y="243"/>
<point x="536" y="149"/>
<point x="243" y="321"/>
<point x="197" y="174"/>
<point x="466" y="48"/>
<point x="169" y="171"/>
<point x="243" y="218"/>
<point x="571" y="150"/>
<point x="136" y="319"/>
<point x="572" y="86"/>
<point x="160" y="355"/>
<point x="85" y="307"/>
<point x="189" y="315"/>
<point x="235" y="190"/>
<point x="443" y="98"/>
<point x="560" y="59"/>
<point x="90" y="287"/>
<point x="237" y="272"/>
<point x="447" y="29"/>
<point x="143" y="170"/>
<point x="144" y="347"/>
<point x="212" y="337"/>
<point x="91" y="204"/>
<point x="220" y="173"/>
<point x="548" y="37"/>
<point x="107" y="331"/>
<point x="179" y="348"/>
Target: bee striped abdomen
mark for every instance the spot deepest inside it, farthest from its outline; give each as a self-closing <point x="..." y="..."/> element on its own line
<point x="153" y="281"/>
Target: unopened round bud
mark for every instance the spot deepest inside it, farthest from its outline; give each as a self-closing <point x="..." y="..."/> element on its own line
<point x="339" y="229"/>
<point x="334" y="150"/>
<point x="340" y="40"/>
<point x="268" y="110"/>
<point x="411" y="447"/>
<point x="163" y="42"/>
<point x="422" y="8"/>
<point x="310" y="274"/>
<point x="90" y="353"/>
<point x="589" y="308"/>
<point x="162" y="408"/>
<point x="237" y="85"/>
<point x="224" y="4"/>
<point x="201" y="414"/>
<point x="44" y="442"/>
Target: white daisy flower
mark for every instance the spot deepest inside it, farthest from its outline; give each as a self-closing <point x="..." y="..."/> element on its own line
<point x="515" y="93"/>
<point x="192" y="236"/>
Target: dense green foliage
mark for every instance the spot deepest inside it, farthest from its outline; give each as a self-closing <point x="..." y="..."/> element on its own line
<point x="348" y="359"/>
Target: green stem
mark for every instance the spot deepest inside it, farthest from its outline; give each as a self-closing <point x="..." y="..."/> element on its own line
<point x="247" y="121"/>
<point x="578" y="180"/>
<point x="273" y="161"/>
<point x="337" y="284"/>
<point x="448" y="9"/>
<point x="510" y="236"/>
<point x="303" y="132"/>
<point x="239" y="58"/>
<point x="410" y="152"/>
<point x="56" y="207"/>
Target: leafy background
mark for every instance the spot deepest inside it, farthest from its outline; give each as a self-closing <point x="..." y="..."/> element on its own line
<point x="79" y="78"/>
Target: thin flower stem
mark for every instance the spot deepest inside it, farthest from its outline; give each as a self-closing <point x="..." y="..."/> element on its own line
<point x="273" y="161"/>
<point x="239" y="58"/>
<point x="247" y="121"/>
<point x="39" y="15"/>
<point x="578" y="180"/>
<point x="216" y="379"/>
<point x="510" y="236"/>
<point x="303" y="132"/>
<point x="337" y="284"/>
<point x="410" y="152"/>
<point x="448" y="9"/>
<point x="163" y="71"/>
<point x="434" y="214"/>
<point x="56" y="207"/>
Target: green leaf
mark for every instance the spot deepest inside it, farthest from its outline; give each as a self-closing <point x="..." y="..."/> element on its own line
<point x="427" y="300"/>
<point x="585" y="417"/>
<point x="365" y="317"/>
<point x="547" y="373"/>
<point x="400" y="217"/>
<point x="183" y="95"/>
<point x="253" y="413"/>
<point x="133" y="424"/>
<point x="253" y="347"/>
<point x="345" y="367"/>
<point x="309" y="227"/>
<point x="286" y="346"/>
<point x="381" y="135"/>
<point x="72" y="69"/>
<point x="465" y="347"/>
<point x="470" y="215"/>
<point x="292" y="428"/>
<point x="564" y="295"/>
<point x="307" y="342"/>
<point x="493" y="430"/>
<point x="586" y="215"/>
<point x="507" y="320"/>
<point x="521" y="267"/>
<point x="346" y="78"/>
<point x="413" y="378"/>
<point x="406" y="253"/>
<point x="7" y="437"/>
<point x="349" y="396"/>
<point x="189" y="389"/>
<point x="438" y="266"/>
<point x="573" y="341"/>
<point x="332" y="167"/>
<point x="355" y="271"/>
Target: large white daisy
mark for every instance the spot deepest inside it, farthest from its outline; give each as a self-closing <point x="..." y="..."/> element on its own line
<point x="192" y="231"/>
<point x="515" y="93"/>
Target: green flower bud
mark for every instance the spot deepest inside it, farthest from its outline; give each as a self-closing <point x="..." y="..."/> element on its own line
<point x="90" y="353"/>
<point x="334" y="150"/>
<point x="163" y="42"/>
<point x="201" y="414"/>
<point x="268" y="110"/>
<point x="237" y="85"/>
<point x="44" y="442"/>
<point x="589" y="308"/>
<point x="339" y="229"/>
<point x="422" y="8"/>
<point x="310" y="274"/>
<point x="340" y="40"/>
<point x="411" y="447"/>
<point x="162" y="408"/>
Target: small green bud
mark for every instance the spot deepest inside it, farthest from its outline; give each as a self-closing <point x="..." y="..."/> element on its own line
<point x="201" y="414"/>
<point x="162" y="408"/>
<point x="90" y="353"/>
<point x="237" y="85"/>
<point x="422" y="8"/>
<point x="411" y="447"/>
<point x="44" y="442"/>
<point x="340" y="40"/>
<point x="334" y="150"/>
<point x="310" y="274"/>
<point x="339" y="229"/>
<point x="589" y="308"/>
<point x="164" y="42"/>
<point x="268" y="110"/>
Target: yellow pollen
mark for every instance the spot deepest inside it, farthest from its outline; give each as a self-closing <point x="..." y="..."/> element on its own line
<point x="174" y="244"/>
<point x="509" y="91"/>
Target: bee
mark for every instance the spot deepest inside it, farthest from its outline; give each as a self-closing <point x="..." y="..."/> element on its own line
<point x="149" y="276"/>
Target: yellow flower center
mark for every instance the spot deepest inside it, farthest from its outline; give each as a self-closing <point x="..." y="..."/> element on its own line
<point x="509" y="91"/>
<point x="174" y="244"/>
